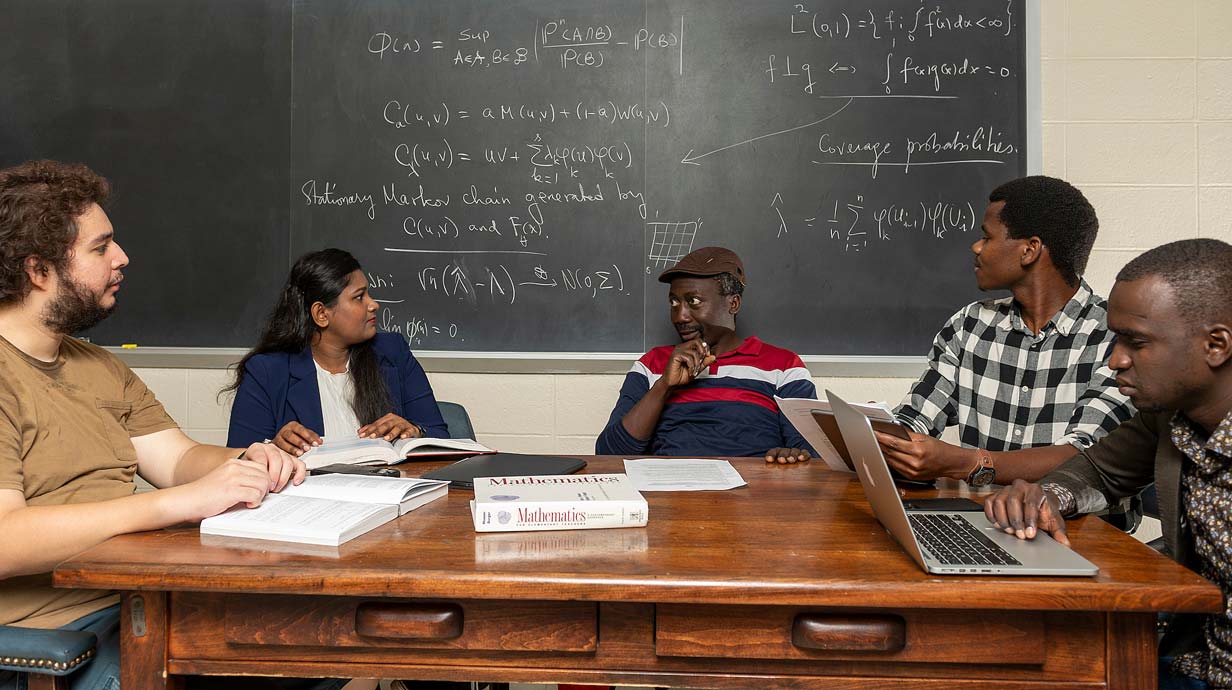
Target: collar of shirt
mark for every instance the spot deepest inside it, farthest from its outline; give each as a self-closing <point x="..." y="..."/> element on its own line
<point x="751" y="347"/>
<point x="1192" y="440"/>
<point x="1064" y="321"/>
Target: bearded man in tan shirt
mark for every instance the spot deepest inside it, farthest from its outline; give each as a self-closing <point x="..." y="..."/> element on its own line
<point x="76" y="424"/>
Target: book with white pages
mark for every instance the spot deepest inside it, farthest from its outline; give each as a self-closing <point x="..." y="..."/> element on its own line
<point x="815" y="421"/>
<point x="353" y="450"/>
<point x="406" y="492"/>
<point x="326" y="509"/>
<point x="556" y="502"/>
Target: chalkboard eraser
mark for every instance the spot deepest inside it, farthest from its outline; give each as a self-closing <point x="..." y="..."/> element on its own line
<point x="129" y="346"/>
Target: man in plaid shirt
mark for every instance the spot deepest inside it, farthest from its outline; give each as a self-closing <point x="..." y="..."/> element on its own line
<point x="1025" y="377"/>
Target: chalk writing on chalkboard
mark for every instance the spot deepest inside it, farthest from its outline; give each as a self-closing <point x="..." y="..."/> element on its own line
<point x="522" y="174"/>
<point x="514" y="175"/>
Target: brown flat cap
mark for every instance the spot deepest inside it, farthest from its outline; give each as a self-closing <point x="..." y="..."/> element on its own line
<point x="707" y="261"/>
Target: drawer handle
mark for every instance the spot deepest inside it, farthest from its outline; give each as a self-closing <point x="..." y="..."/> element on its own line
<point x="849" y="633"/>
<point x="409" y="621"/>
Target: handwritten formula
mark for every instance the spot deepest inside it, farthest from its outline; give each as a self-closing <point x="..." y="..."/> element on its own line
<point x="514" y="176"/>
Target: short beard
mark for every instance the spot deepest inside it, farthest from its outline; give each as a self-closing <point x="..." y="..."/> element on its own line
<point x="74" y="309"/>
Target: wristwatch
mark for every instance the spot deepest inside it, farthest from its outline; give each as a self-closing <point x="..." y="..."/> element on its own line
<point x="984" y="473"/>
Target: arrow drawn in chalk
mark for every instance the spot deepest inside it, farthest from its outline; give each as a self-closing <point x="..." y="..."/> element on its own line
<point x="690" y="159"/>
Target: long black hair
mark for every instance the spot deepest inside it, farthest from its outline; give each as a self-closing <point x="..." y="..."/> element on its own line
<point x="321" y="277"/>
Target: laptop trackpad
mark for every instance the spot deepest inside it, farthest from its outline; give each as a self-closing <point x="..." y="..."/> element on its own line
<point x="1041" y="553"/>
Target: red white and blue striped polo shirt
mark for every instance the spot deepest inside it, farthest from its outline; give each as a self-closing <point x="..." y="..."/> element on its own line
<point x="729" y="410"/>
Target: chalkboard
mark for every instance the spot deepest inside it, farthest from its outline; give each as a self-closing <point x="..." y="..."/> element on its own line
<point x="184" y="107"/>
<point x="514" y="175"/>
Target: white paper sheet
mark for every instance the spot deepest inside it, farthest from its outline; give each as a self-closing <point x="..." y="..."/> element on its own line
<point x="682" y="474"/>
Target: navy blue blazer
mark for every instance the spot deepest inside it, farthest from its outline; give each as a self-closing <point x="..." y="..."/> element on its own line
<point x="281" y="387"/>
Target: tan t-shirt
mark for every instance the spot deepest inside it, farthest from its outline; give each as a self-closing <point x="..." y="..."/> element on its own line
<point x="64" y="438"/>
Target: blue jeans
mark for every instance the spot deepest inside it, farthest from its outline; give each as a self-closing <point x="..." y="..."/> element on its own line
<point x="103" y="671"/>
<point x="1171" y="681"/>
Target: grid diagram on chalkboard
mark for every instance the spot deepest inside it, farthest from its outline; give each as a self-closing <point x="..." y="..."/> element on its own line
<point x="671" y="241"/>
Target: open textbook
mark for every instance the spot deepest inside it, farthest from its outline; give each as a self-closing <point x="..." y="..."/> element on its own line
<point x="815" y="422"/>
<point x="326" y="509"/>
<point x="377" y="451"/>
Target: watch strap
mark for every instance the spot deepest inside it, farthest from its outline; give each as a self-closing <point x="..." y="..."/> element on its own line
<point x="983" y="464"/>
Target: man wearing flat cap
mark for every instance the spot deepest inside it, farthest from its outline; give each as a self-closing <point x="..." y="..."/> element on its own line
<point x="713" y="394"/>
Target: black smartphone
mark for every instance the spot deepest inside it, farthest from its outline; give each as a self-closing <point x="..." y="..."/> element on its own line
<point x="357" y="469"/>
<point x="913" y="483"/>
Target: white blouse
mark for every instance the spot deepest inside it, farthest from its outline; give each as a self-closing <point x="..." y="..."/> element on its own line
<point x="337" y="395"/>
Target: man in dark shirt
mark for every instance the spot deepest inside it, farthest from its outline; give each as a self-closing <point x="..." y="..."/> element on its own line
<point x="1171" y="311"/>
<point x="713" y="394"/>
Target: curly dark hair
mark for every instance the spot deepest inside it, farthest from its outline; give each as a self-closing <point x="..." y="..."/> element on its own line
<point x="39" y="203"/>
<point x="1057" y="213"/>
<point x="1199" y="271"/>
<point x="320" y="276"/>
<point x="729" y="284"/>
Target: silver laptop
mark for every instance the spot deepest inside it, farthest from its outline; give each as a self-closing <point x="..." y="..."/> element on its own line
<point x="946" y="543"/>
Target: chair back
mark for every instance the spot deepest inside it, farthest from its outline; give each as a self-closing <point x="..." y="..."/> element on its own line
<point x="458" y="420"/>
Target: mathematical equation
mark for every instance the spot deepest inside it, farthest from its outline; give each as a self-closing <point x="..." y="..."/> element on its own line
<point x="854" y="223"/>
<point x="417" y="329"/>
<point x="925" y="21"/>
<point x="496" y="283"/>
<point x="905" y="71"/>
<point x="900" y="73"/>
<point x="401" y="115"/>
<point x="561" y="41"/>
<point x="540" y="154"/>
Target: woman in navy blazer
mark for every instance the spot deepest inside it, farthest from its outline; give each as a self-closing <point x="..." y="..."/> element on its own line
<point x="326" y="319"/>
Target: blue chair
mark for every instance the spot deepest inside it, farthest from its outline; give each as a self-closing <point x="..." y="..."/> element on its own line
<point x="47" y="656"/>
<point x="458" y="420"/>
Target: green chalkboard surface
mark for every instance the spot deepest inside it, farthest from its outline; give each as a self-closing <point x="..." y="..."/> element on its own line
<point x="514" y="175"/>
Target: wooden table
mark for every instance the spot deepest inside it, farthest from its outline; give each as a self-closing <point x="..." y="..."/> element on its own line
<point x="787" y="583"/>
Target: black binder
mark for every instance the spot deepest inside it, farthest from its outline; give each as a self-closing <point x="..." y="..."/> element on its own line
<point x="462" y="473"/>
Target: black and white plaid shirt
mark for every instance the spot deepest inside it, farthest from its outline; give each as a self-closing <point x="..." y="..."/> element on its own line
<point x="1007" y="388"/>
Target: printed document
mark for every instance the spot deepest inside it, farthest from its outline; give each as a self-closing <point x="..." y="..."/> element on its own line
<point x="682" y="474"/>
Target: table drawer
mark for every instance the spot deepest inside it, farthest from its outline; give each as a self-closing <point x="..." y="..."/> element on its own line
<point x="785" y="632"/>
<point x="533" y="626"/>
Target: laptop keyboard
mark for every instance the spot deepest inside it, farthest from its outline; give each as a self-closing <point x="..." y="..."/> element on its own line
<point x="954" y="541"/>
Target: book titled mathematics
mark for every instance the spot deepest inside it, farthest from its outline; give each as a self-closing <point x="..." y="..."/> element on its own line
<point x="562" y="501"/>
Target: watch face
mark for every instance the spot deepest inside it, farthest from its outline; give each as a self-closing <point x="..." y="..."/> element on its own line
<point x="982" y="477"/>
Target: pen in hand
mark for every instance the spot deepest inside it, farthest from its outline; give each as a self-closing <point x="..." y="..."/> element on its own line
<point x="701" y="366"/>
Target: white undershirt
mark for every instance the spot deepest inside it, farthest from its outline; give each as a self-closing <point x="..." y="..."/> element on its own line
<point x="337" y="393"/>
